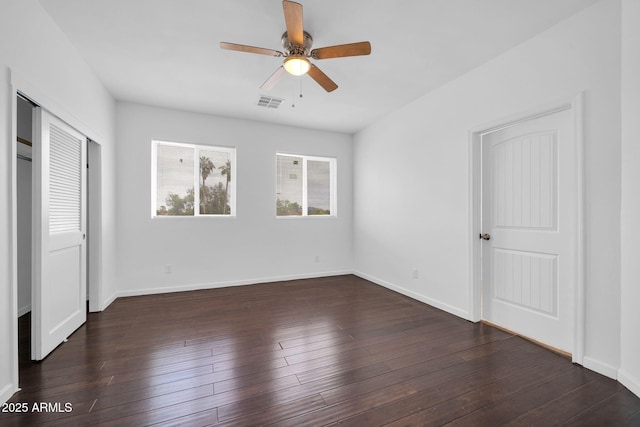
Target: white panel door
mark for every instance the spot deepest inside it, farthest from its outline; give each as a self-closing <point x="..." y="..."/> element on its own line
<point x="59" y="223"/>
<point x="529" y="208"/>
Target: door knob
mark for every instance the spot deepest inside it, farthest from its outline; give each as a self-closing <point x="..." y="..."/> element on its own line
<point x="485" y="236"/>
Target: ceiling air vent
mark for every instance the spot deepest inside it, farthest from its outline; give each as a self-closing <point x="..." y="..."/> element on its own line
<point x="269" y="102"/>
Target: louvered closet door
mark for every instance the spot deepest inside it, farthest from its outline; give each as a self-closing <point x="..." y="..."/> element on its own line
<point x="530" y="209"/>
<point x="59" y="215"/>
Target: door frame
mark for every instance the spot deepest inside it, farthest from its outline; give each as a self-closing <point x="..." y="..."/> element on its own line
<point x="576" y="105"/>
<point x="94" y="225"/>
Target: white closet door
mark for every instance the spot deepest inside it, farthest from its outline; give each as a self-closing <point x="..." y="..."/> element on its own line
<point x="59" y="225"/>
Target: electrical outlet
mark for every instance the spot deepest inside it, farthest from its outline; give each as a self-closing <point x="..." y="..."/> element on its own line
<point x="168" y="269"/>
<point x="415" y="273"/>
<point x="317" y="258"/>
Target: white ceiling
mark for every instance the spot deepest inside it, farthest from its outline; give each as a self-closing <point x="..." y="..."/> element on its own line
<point x="165" y="52"/>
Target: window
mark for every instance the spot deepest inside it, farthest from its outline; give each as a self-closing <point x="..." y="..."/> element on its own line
<point x="305" y="186"/>
<point x="180" y="168"/>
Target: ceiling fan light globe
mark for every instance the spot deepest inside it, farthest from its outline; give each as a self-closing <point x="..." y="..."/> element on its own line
<point x="297" y="65"/>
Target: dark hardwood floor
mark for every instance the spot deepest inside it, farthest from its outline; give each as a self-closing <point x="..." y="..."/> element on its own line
<point x="330" y="351"/>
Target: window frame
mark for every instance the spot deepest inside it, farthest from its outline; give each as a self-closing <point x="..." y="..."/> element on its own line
<point x="333" y="185"/>
<point x="196" y="176"/>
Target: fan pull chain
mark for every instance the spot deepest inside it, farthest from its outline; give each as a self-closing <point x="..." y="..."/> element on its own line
<point x="293" y="97"/>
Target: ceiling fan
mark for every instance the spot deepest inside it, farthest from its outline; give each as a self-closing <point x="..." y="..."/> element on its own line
<point x="297" y="45"/>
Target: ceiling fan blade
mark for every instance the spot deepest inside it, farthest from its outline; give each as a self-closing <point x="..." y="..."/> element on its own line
<point x="293" y="19"/>
<point x="350" y="49"/>
<point x="322" y="79"/>
<point x="250" y="49"/>
<point x="273" y="79"/>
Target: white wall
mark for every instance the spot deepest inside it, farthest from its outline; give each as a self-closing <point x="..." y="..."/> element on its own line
<point x="208" y="252"/>
<point x="629" y="373"/>
<point x="8" y="297"/>
<point x="411" y="171"/>
<point x="37" y="58"/>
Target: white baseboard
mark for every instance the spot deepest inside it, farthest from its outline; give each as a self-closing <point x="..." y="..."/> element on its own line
<point x="6" y="392"/>
<point x="215" y="285"/>
<point x="24" y="310"/>
<point x="629" y="381"/>
<point x="600" y="367"/>
<point x="109" y="300"/>
<point x="432" y="302"/>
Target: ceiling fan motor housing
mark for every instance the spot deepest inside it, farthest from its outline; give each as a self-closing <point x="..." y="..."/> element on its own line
<point x="297" y="50"/>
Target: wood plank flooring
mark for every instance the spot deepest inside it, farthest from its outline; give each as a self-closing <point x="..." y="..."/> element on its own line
<point x="330" y="351"/>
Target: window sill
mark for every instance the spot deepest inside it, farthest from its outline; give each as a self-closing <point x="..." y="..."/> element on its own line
<point x="300" y="217"/>
<point x="182" y="217"/>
